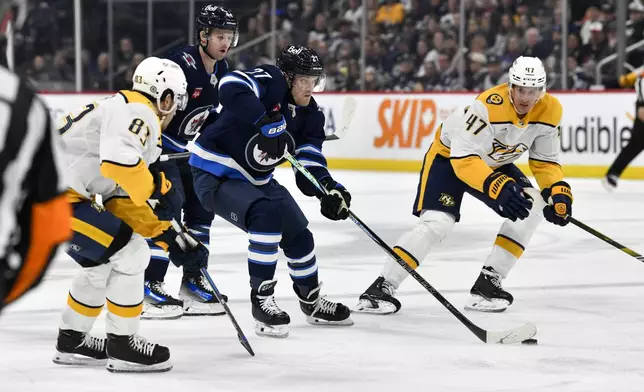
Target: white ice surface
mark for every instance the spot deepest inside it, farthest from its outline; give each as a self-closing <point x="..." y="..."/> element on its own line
<point x="585" y="297"/>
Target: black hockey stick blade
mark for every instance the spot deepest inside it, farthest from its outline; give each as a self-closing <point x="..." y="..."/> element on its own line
<point x="240" y="334"/>
<point x="515" y="335"/>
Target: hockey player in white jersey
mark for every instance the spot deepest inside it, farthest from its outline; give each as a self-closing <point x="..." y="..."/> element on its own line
<point x="108" y="147"/>
<point x="472" y="152"/>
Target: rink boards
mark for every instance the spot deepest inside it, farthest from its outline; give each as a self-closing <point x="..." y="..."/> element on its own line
<point x="391" y="132"/>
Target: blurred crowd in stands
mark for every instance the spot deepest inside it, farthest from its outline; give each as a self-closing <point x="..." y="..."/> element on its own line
<point x="410" y="45"/>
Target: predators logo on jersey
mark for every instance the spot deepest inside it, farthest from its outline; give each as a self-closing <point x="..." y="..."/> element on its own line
<point x="447" y="200"/>
<point x="502" y="152"/>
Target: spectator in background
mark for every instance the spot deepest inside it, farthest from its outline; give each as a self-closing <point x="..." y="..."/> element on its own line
<point x="534" y="46"/>
<point x="596" y="48"/>
<point x="390" y="12"/>
<point x="477" y="71"/>
<point x="495" y="73"/>
<point x="512" y="52"/>
<point x="320" y="31"/>
<point x="125" y="53"/>
<point x="354" y="13"/>
<point x="593" y="16"/>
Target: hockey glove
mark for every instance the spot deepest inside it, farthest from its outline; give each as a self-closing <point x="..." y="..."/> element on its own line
<point x="169" y="200"/>
<point x="559" y="199"/>
<point x="335" y="205"/>
<point x="192" y="255"/>
<point x="272" y="138"/>
<point x="507" y="193"/>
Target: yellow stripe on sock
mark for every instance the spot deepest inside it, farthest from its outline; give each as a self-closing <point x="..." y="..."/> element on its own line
<point x="510" y="245"/>
<point x="125" y="310"/>
<point x="81" y="308"/>
<point x="409" y="259"/>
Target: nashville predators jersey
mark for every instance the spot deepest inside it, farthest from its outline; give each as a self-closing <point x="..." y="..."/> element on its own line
<point x="112" y="142"/>
<point x="489" y="133"/>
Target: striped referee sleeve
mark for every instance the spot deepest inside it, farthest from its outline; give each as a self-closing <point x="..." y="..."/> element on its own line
<point x="34" y="214"/>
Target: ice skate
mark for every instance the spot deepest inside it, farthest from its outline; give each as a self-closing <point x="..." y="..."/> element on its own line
<point x="133" y="354"/>
<point x="198" y="298"/>
<point x="158" y="304"/>
<point x="321" y="311"/>
<point x="378" y="298"/>
<point x="488" y="294"/>
<point x="79" y="348"/>
<point x="270" y="320"/>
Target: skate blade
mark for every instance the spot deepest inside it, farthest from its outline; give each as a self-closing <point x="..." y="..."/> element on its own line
<point x="163" y="312"/>
<point x="271" y="331"/>
<point x="71" y="359"/>
<point x="383" y="307"/>
<point x="119" y="366"/>
<point x="480" y="304"/>
<point x="196" y="308"/>
<point x="335" y="323"/>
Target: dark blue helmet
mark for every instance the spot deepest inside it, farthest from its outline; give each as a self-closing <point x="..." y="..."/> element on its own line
<point x="301" y="60"/>
<point x="216" y="17"/>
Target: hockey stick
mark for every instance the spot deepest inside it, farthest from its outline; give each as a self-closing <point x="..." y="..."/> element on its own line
<point x="604" y="238"/>
<point x="515" y="335"/>
<point x="170" y="157"/>
<point x="348" y="110"/>
<point x="240" y="334"/>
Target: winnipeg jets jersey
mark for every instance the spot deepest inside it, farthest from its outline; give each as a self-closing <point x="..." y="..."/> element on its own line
<point x="228" y="148"/>
<point x="121" y="132"/>
<point x="203" y="98"/>
<point x="489" y="134"/>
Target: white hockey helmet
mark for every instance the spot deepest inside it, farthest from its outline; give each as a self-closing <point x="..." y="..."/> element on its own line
<point x="527" y="72"/>
<point x="154" y="76"/>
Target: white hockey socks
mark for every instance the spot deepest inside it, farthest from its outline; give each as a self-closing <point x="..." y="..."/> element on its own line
<point x="413" y="246"/>
<point x="86" y="298"/>
<point x="513" y="237"/>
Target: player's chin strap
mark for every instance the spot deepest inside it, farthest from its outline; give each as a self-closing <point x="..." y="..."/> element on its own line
<point x="604" y="238"/>
<point x="515" y="335"/>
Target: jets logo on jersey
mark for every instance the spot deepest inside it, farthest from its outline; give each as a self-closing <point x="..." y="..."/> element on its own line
<point x="192" y="123"/>
<point x="502" y="152"/>
<point x="189" y="60"/>
<point x="257" y="159"/>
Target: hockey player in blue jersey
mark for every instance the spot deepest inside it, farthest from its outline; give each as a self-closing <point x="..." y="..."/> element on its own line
<point x="204" y="65"/>
<point x="266" y="111"/>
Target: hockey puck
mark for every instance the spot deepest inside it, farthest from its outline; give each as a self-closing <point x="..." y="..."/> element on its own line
<point x="529" y="341"/>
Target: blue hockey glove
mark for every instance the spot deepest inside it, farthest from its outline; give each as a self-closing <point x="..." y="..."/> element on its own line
<point x="508" y="195"/>
<point x="335" y="205"/>
<point x="272" y="135"/>
<point x="559" y="199"/>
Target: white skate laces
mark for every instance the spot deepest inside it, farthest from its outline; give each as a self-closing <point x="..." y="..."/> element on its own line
<point x="388" y="288"/>
<point x="93" y="343"/>
<point x="141" y="345"/>
<point x="325" y="306"/>
<point x="494" y="278"/>
<point x="158" y="288"/>
<point x="268" y="305"/>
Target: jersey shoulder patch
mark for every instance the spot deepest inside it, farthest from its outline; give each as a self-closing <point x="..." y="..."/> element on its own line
<point x="497" y="103"/>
